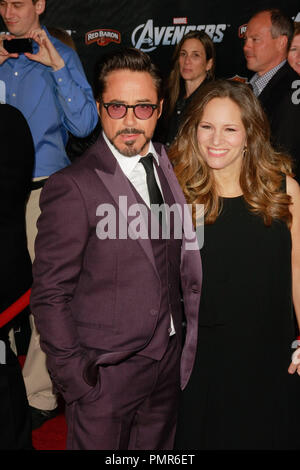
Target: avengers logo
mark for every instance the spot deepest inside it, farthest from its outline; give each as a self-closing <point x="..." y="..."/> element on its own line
<point x="148" y="37"/>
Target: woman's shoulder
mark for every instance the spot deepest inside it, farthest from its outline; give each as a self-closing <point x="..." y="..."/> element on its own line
<point x="293" y="190"/>
<point x="292" y="187"/>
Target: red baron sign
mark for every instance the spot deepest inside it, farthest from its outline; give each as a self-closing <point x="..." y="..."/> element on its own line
<point x="102" y="37"/>
<point x="238" y="78"/>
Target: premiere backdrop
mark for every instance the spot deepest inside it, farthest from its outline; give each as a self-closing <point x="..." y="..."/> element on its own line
<point x="156" y="26"/>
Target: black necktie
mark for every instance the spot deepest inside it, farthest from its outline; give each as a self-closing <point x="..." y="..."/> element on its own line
<point x="153" y="189"/>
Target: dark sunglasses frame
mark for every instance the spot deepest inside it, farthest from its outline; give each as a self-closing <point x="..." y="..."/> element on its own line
<point x="133" y="106"/>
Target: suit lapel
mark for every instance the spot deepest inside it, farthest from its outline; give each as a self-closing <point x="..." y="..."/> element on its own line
<point x="167" y="169"/>
<point x="118" y="185"/>
<point x="267" y="93"/>
<point x="189" y="234"/>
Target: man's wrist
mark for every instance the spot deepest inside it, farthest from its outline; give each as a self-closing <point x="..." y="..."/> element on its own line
<point x="58" y="66"/>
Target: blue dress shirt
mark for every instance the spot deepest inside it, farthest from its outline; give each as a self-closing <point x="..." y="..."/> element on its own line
<point x="53" y="103"/>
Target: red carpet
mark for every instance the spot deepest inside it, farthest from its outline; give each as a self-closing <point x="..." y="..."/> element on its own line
<point x="52" y="435"/>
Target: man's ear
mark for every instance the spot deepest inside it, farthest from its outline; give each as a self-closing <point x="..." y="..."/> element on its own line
<point x="282" y="43"/>
<point x="98" y="106"/>
<point x="40" y="6"/>
<point x="160" y="108"/>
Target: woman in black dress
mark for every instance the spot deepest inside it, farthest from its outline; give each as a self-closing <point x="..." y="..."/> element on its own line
<point x="193" y="65"/>
<point x="243" y="392"/>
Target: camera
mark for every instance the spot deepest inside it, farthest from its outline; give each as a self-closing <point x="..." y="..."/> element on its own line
<point x="18" y="45"/>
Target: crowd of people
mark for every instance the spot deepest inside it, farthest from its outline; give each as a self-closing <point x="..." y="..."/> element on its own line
<point x="154" y="342"/>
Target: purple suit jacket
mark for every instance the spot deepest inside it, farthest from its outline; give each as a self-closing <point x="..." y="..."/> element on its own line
<point x="101" y="295"/>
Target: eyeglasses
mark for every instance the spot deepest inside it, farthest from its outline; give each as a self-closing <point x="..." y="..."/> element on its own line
<point x="119" y="110"/>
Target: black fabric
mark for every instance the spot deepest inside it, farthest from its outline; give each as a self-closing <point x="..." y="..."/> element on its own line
<point x="240" y="395"/>
<point x="280" y="101"/>
<point x="15" y="419"/>
<point x="153" y="189"/>
<point x="38" y="184"/>
<point x="76" y="146"/>
<point x="16" y="166"/>
<point x="168" y="126"/>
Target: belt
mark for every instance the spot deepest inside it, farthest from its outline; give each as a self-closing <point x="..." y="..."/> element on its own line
<point x="37" y="184"/>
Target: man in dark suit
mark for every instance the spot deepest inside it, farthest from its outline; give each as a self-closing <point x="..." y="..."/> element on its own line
<point x="275" y="83"/>
<point x="16" y="165"/>
<point x="107" y="292"/>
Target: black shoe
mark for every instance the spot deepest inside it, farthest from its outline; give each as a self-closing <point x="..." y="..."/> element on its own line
<point x="39" y="417"/>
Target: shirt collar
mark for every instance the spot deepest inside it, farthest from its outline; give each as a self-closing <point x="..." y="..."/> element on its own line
<point x="128" y="164"/>
<point x="261" y="81"/>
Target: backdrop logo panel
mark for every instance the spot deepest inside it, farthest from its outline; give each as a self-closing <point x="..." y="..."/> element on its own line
<point x="182" y="20"/>
<point x="242" y="30"/>
<point x="102" y="37"/>
<point x="238" y="78"/>
<point x="148" y="37"/>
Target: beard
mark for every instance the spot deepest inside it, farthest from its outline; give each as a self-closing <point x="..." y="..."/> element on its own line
<point x="130" y="149"/>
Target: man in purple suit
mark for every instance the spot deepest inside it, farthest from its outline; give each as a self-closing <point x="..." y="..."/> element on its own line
<point x="109" y="296"/>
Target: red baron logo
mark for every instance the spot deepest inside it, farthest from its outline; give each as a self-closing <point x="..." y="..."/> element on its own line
<point x="237" y="78"/>
<point x="242" y="31"/>
<point x="102" y="37"/>
<point x="182" y="20"/>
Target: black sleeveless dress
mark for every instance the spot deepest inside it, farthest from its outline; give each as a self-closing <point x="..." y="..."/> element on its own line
<point x="240" y="395"/>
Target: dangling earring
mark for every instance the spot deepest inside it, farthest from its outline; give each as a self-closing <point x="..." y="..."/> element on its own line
<point x="245" y="149"/>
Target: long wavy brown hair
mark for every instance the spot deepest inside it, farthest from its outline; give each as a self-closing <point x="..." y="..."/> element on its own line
<point x="296" y="28"/>
<point x="175" y="81"/>
<point x="263" y="170"/>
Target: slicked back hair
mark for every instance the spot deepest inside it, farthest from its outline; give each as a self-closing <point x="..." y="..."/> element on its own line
<point x="127" y="58"/>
